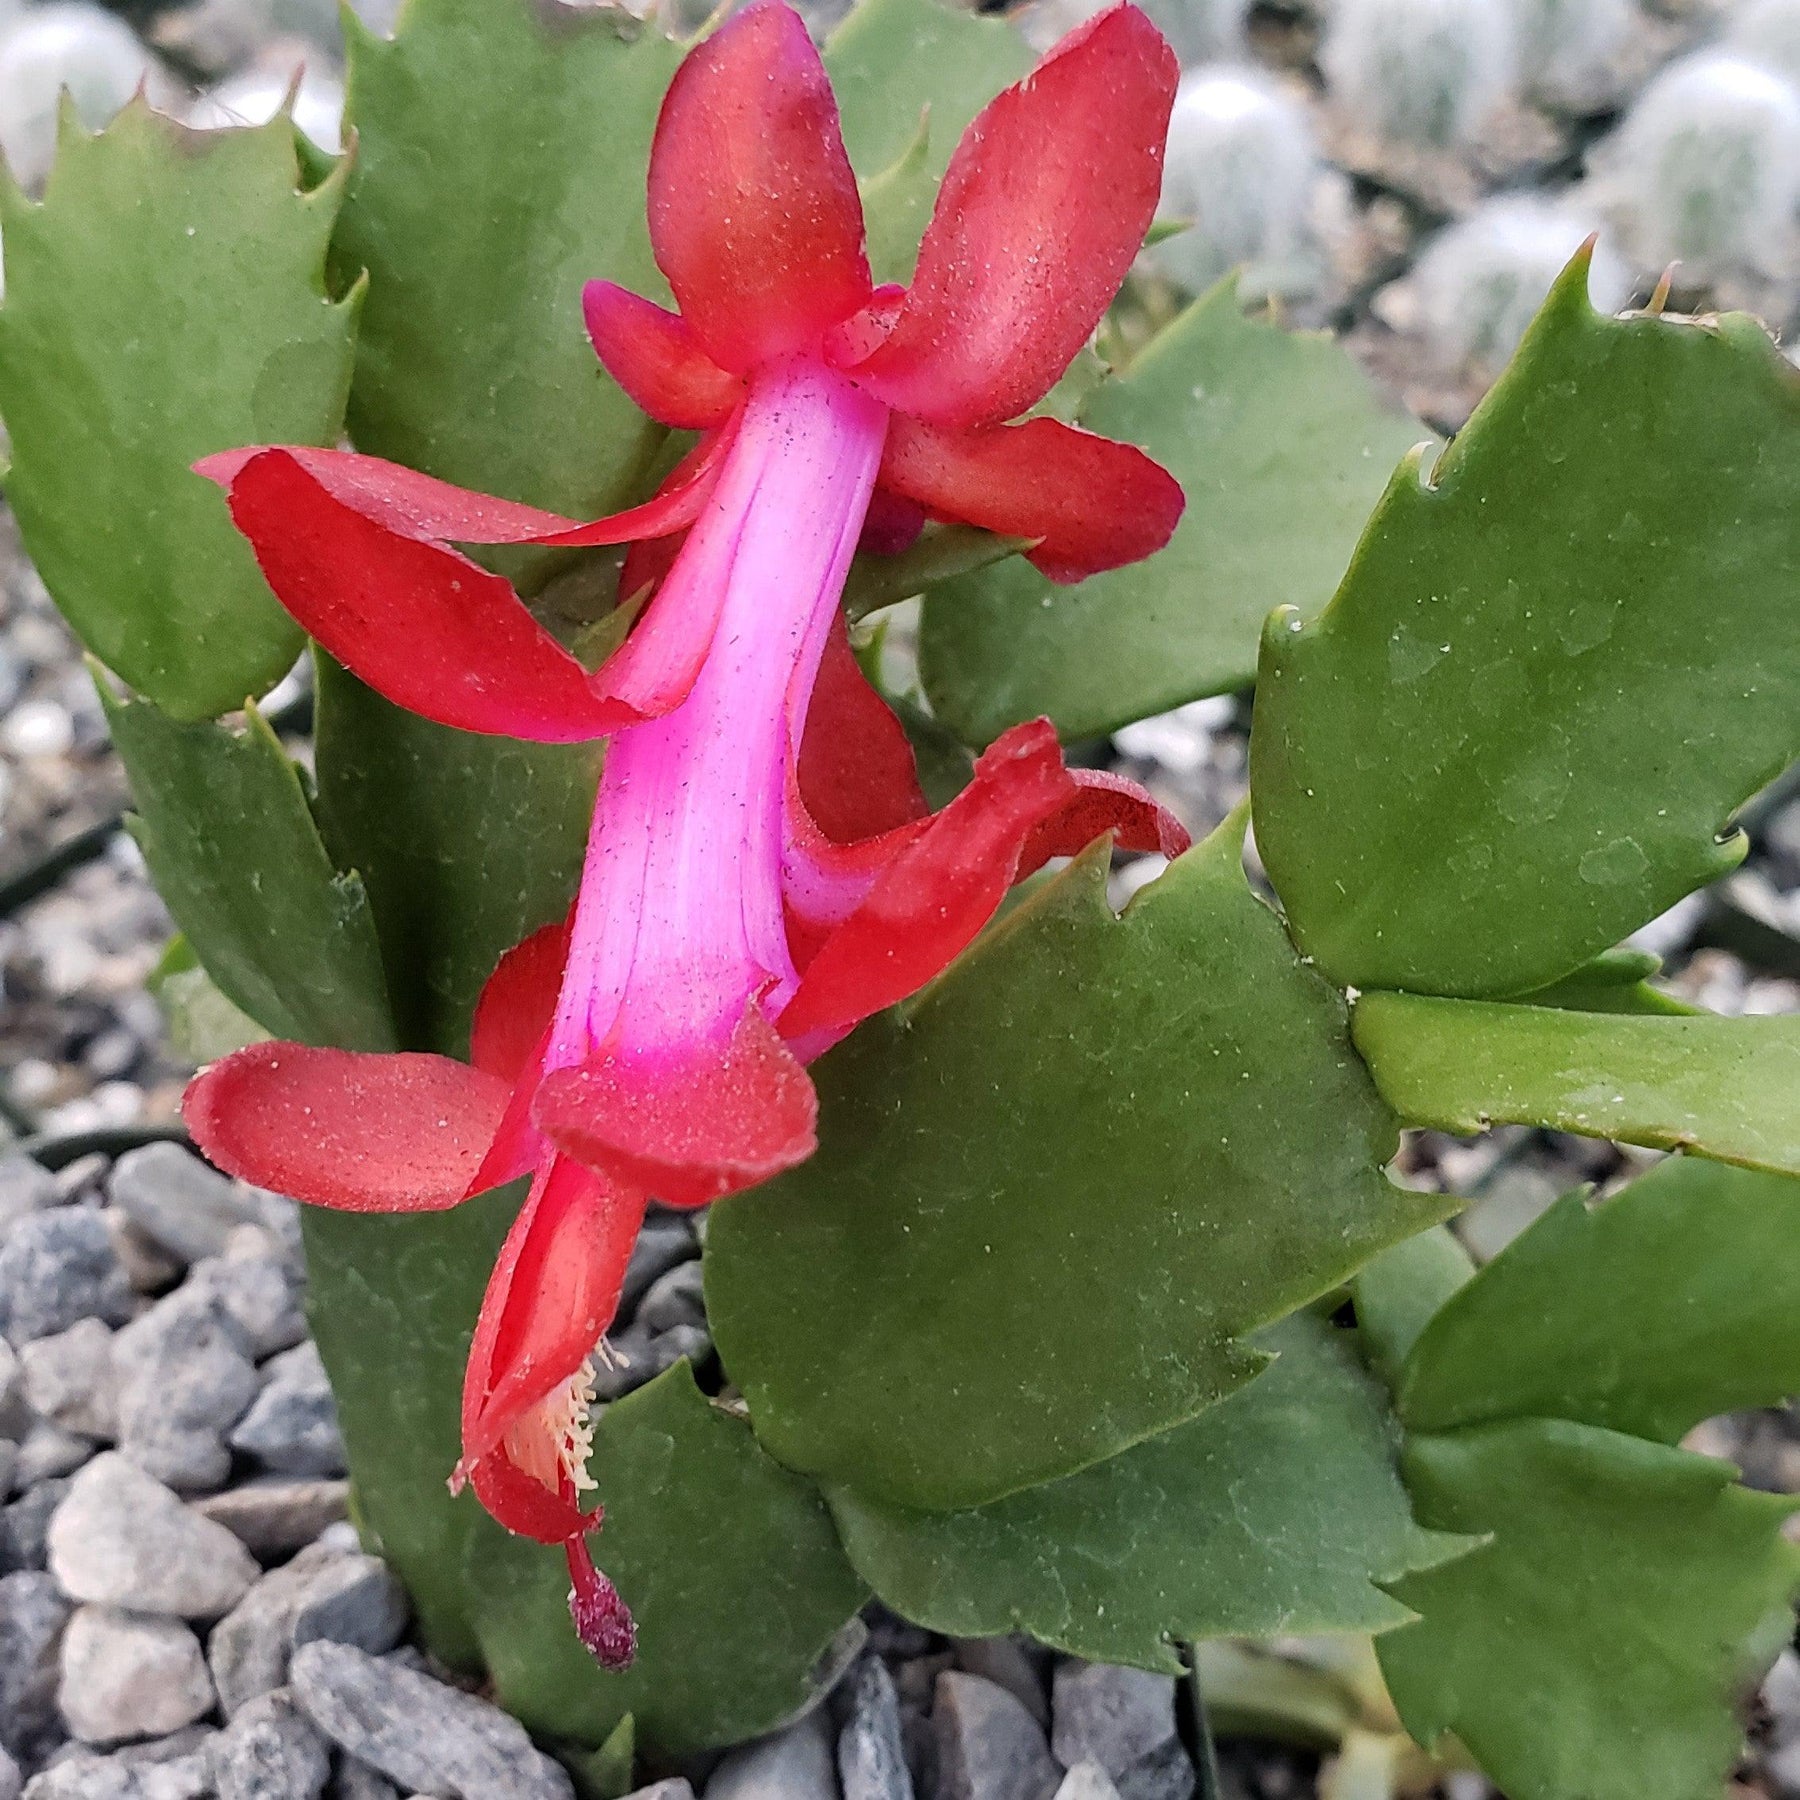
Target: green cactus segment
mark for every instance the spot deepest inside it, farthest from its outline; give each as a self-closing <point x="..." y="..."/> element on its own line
<point x="1701" y="1261"/>
<point x="1090" y="1179"/>
<point x="166" y="300"/>
<point x="1398" y="1293"/>
<point x="1599" y="1643"/>
<point x="1282" y="449"/>
<point x="729" y="1563"/>
<point x="501" y="153"/>
<point x="1274" y="1512"/>
<point x="1727" y="1088"/>
<point x="1552" y="672"/>
<point x="467" y="843"/>
<point x="225" y="827"/>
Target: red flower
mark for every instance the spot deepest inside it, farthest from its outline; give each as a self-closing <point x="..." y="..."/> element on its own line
<point x="763" y="871"/>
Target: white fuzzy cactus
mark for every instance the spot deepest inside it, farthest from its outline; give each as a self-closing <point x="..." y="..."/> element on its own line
<point x="258" y="94"/>
<point x="1567" y="47"/>
<point x="1767" y="32"/>
<point x="71" y="45"/>
<point x="1240" y="167"/>
<point x="1707" y="168"/>
<point x="1198" y="30"/>
<point x="1426" y="73"/>
<point x="1479" y="284"/>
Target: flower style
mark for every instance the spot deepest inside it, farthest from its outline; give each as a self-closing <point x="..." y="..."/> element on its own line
<point x="763" y="871"/>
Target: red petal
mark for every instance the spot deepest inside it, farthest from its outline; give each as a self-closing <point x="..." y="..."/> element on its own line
<point x="418" y="622"/>
<point x="517" y="1004"/>
<point x="937" y="892"/>
<point x="553" y="1292"/>
<point x="858" y="777"/>
<point x="754" y="214"/>
<point x="1093" y="503"/>
<point x="1103" y="802"/>
<point x="687" y="1132"/>
<point x="657" y="360"/>
<point x="521" y="1502"/>
<point x="365" y="1133"/>
<point x="1045" y="204"/>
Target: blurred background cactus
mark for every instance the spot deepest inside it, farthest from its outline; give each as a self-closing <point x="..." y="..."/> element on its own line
<point x="1426" y="73"/>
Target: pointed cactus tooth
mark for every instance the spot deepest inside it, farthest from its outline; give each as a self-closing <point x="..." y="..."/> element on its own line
<point x="1707" y="164"/>
<point x="1767" y="32"/>
<point x="1567" y="47"/>
<point x="1198" y="30"/>
<point x="1480" y="283"/>
<point x="1239" y="171"/>
<point x="257" y="95"/>
<point x="66" y="44"/>
<point x="1425" y="73"/>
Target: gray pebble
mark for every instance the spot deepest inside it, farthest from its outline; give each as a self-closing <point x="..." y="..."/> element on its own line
<point x="79" y="1182"/>
<point x="661" y="1244"/>
<point x="262" y="1291"/>
<point x="637" y="1357"/>
<point x="25" y="1187"/>
<point x="88" y="1776"/>
<point x="357" y="1781"/>
<point x="323" y="1595"/>
<point x="674" y="1299"/>
<point x="871" y="1756"/>
<point x="69" y="1379"/>
<point x="1087" y="1781"/>
<point x="148" y="1266"/>
<point x="177" y="1201"/>
<point x="120" y="1538"/>
<point x="291" y="1427"/>
<point x="47" y="1452"/>
<point x="12" y="1777"/>
<point x="130" y="1675"/>
<point x="988" y="1746"/>
<point x="57" y="1268"/>
<point x="1124" y="1720"/>
<point x="270" y="1751"/>
<point x="9" y="1468"/>
<point x="15" y="1415"/>
<point x="796" y="1764"/>
<point x="419" y="1733"/>
<point x="1781" y="1693"/>
<point x="26" y="1523"/>
<point x="677" y="1787"/>
<point x="32" y="1616"/>
<point x="1008" y="1663"/>
<point x="185" y="1378"/>
<point x="275" y="1515"/>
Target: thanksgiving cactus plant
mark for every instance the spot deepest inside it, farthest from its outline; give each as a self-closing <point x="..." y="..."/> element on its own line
<point x="1056" y="1271"/>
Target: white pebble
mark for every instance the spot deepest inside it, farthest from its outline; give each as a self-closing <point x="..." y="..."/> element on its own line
<point x="66" y="44"/>
<point x="1239" y="171"/>
<point x="1427" y="73"/>
<point x="37" y="728"/>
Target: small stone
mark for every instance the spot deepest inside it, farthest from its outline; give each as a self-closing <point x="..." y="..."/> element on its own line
<point x="677" y="1787"/>
<point x="120" y="1538"/>
<point x="262" y="1291"/>
<point x="676" y="1298"/>
<point x="323" y="1595"/>
<point x="25" y="1187"/>
<point x="638" y="1358"/>
<point x="988" y="1746"/>
<point x="662" y="1243"/>
<point x="1087" y="1781"/>
<point x="47" y="1452"/>
<point x="185" y="1378"/>
<point x="15" y="1415"/>
<point x="57" y="1268"/>
<point x="86" y="1775"/>
<point x="1781" y="1695"/>
<point x="32" y="1616"/>
<point x="275" y="1515"/>
<point x="148" y="1266"/>
<point x="1124" y="1720"/>
<point x="796" y="1764"/>
<point x="69" y="1379"/>
<point x="78" y="1183"/>
<point x="871" y="1755"/>
<point x="177" y="1201"/>
<point x="1783" y="1769"/>
<point x="26" y="1523"/>
<point x="12" y="1778"/>
<point x="357" y="1781"/>
<point x="270" y="1751"/>
<point x="291" y="1426"/>
<point x="9" y="1467"/>
<point x="1007" y="1663"/>
<point x="425" y="1736"/>
<point x="129" y="1675"/>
